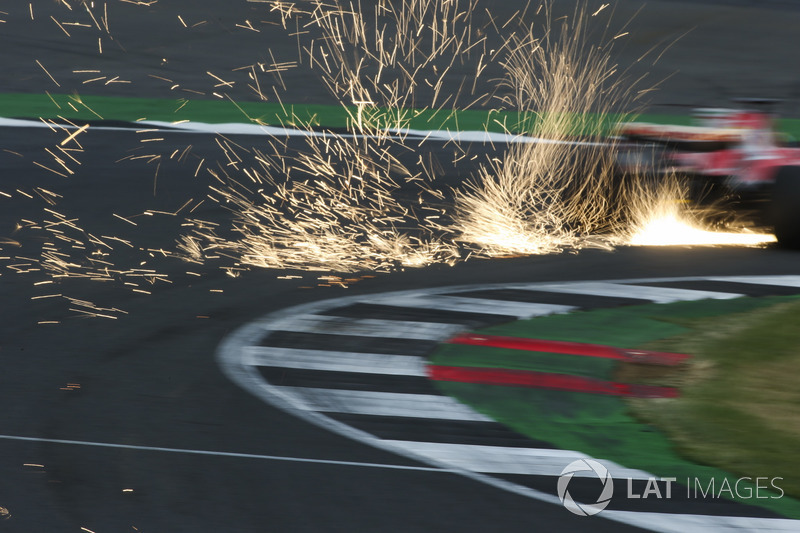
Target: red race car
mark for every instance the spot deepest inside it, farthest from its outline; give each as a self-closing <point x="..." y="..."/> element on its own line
<point x="734" y="157"/>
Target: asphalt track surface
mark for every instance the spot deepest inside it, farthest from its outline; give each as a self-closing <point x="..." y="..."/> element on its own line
<point x="703" y="52"/>
<point x="149" y="379"/>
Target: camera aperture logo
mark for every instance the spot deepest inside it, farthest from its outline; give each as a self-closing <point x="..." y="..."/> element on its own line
<point x="702" y="489"/>
<point x="585" y="465"/>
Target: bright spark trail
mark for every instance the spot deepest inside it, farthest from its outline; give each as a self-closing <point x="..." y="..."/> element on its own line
<point x="367" y="199"/>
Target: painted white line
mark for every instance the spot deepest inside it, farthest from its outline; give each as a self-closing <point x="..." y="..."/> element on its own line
<point x="508" y="460"/>
<point x="491" y="137"/>
<point x="230" y="357"/>
<point x="785" y="281"/>
<point x="219" y="454"/>
<point x="241" y="128"/>
<point x="366" y="327"/>
<point x="479" y="305"/>
<point x="230" y="128"/>
<point x="671" y="523"/>
<point x="368" y="363"/>
<point x="661" y="295"/>
<point x="383" y="404"/>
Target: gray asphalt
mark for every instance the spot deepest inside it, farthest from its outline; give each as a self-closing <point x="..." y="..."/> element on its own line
<point x="149" y="378"/>
<point x="705" y="52"/>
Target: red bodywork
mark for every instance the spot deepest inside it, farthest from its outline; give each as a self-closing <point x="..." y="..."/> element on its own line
<point x="742" y="146"/>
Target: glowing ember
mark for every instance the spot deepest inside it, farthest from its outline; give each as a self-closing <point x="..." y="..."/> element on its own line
<point x="544" y="197"/>
<point x="670" y="230"/>
<point x="660" y="217"/>
<point x="366" y="199"/>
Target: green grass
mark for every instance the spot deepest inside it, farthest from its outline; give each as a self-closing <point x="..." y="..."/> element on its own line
<point x="740" y="403"/>
<point x="92" y="107"/>
<point x="88" y="107"/>
<point x="482" y="357"/>
<point x="627" y="327"/>
<point x="608" y="426"/>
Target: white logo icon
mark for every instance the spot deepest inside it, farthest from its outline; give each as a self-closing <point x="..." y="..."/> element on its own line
<point x="585" y="465"/>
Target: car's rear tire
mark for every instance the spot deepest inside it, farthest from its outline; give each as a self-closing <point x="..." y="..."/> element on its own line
<point x="784" y="209"/>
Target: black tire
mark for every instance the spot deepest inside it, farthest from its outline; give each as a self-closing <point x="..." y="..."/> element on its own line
<point x="784" y="208"/>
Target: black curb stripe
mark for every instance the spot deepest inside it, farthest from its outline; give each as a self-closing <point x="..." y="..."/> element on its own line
<point x="439" y="431"/>
<point x="587" y="489"/>
<point x="746" y="289"/>
<point x="582" y="301"/>
<point x="322" y="379"/>
<point x="348" y="343"/>
<point x="490" y="433"/>
<point x="418" y="314"/>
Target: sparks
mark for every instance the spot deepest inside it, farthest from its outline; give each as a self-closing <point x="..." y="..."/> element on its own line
<point x="672" y="230"/>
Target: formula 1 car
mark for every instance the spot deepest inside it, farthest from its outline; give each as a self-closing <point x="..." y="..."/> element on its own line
<point x="731" y="157"/>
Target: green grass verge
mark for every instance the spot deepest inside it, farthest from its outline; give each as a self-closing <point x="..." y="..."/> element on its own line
<point x="88" y="107"/>
<point x="91" y="107"/>
<point x="740" y="403"/>
<point x="482" y="357"/>
<point x="607" y="426"/>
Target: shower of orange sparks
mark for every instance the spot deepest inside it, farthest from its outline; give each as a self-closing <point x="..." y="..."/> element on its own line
<point x="338" y="210"/>
<point x="673" y="229"/>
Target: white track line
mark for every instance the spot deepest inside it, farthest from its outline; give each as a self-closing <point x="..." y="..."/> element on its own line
<point x="479" y="305"/>
<point x="785" y="281"/>
<point x="231" y="358"/>
<point x="661" y="295"/>
<point x="217" y="453"/>
<point x="383" y="404"/>
<point x="508" y="460"/>
<point x="366" y="327"/>
<point x="239" y="128"/>
<point x="368" y="363"/>
<point x="491" y="137"/>
<point x="671" y="523"/>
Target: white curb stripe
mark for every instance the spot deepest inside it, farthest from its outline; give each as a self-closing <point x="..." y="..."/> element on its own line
<point x="383" y="404"/>
<point x="367" y="363"/>
<point x="784" y="281"/>
<point x="479" y="305"/>
<point x="661" y="295"/>
<point x="507" y="460"/>
<point x="311" y="404"/>
<point x="366" y="327"/>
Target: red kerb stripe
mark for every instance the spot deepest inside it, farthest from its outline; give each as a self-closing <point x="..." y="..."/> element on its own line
<point x="571" y="348"/>
<point x="544" y="380"/>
